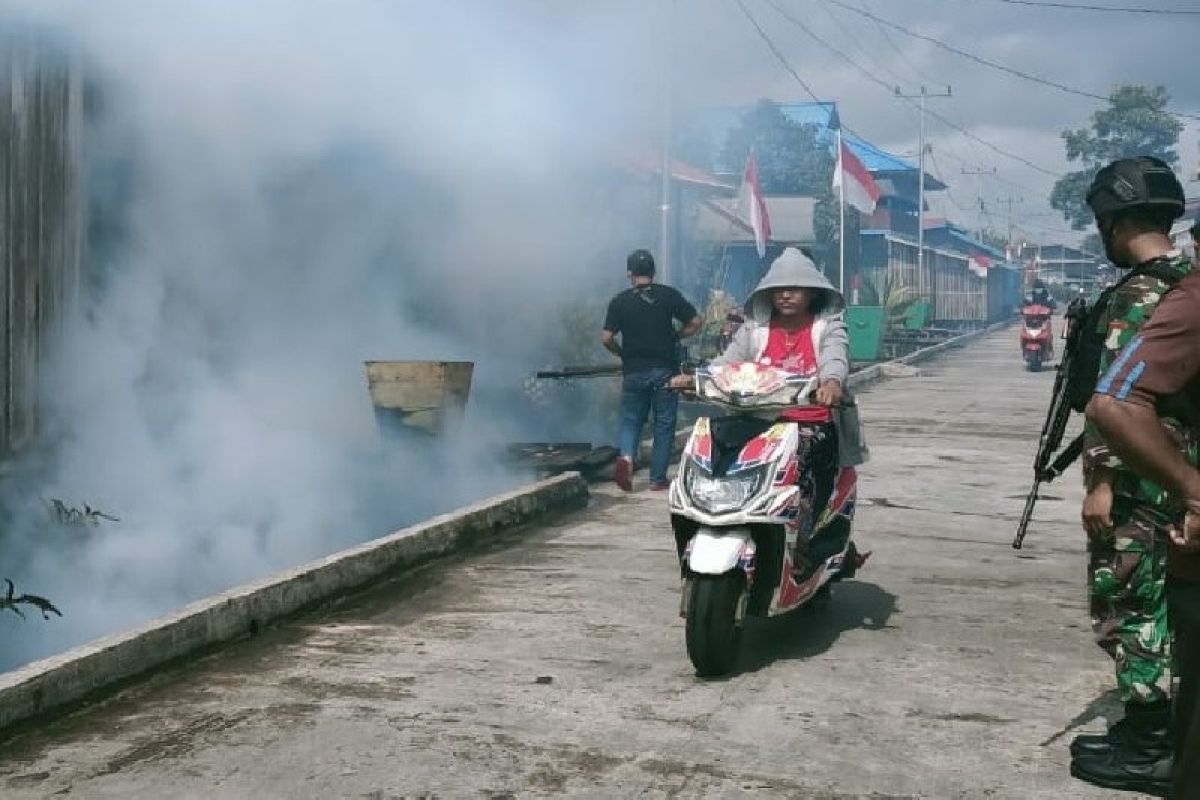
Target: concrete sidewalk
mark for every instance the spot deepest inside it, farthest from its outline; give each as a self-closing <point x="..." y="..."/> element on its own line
<point x="555" y="666"/>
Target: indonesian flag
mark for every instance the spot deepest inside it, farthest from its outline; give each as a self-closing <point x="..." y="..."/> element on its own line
<point x="858" y="187"/>
<point x="979" y="264"/>
<point x="752" y="205"/>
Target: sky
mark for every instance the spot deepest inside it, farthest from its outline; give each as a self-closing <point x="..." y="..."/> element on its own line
<point x="1088" y="50"/>
<point x="298" y="186"/>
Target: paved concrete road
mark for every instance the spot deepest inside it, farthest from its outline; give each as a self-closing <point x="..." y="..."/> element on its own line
<point x="555" y="667"/>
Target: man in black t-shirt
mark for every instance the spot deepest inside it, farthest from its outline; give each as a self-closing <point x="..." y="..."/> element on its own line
<point x="644" y="316"/>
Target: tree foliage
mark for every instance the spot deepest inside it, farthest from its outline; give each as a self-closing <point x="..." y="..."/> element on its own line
<point x="1135" y="123"/>
<point x="793" y="159"/>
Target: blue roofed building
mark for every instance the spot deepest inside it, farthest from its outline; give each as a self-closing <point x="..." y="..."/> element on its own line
<point x="898" y="178"/>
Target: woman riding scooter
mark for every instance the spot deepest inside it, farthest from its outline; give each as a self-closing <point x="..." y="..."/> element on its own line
<point x="794" y="322"/>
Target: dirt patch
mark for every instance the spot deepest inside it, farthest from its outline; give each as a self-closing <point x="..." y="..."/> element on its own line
<point x="393" y="688"/>
<point x="174" y="743"/>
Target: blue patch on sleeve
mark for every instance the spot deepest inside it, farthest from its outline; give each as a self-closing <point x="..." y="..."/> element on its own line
<point x="1118" y="365"/>
<point x="1134" y="374"/>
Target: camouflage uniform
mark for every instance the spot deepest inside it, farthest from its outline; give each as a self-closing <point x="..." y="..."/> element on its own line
<point x="1127" y="569"/>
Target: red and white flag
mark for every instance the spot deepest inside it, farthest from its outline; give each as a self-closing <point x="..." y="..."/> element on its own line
<point x="858" y="187"/>
<point x="752" y="205"/>
<point x="979" y="264"/>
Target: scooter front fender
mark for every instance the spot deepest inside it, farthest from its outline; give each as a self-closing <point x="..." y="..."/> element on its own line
<point x="715" y="551"/>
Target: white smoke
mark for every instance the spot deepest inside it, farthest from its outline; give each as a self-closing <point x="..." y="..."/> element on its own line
<point x="290" y="189"/>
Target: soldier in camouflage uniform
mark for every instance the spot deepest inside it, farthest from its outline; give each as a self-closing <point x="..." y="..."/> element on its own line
<point x="1126" y="516"/>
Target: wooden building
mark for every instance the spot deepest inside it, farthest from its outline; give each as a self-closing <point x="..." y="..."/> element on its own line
<point x="41" y="216"/>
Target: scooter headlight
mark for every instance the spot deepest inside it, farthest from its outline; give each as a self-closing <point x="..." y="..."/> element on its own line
<point x="722" y="495"/>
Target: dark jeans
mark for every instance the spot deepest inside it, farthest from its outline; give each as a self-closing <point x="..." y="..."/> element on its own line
<point x="1183" y="598"/>
<point x="642" y="391"/>
<point x="819" y="463"/>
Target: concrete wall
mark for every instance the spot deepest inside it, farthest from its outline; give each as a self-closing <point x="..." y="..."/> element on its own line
<point x="72" y="676"/>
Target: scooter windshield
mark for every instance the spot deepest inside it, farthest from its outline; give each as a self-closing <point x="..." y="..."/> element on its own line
<point x="746" y="386"/>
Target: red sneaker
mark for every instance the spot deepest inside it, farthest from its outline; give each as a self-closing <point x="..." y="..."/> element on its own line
<point x="660" y="486"/>
<point x="623" y="473"/>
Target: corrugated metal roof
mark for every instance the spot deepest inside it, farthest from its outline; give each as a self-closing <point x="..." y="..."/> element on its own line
<point x="651" y="164"/>
<point x="791" y="220"/>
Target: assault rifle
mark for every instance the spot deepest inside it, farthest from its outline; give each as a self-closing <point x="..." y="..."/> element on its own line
<point x="1045" y="470"/>
<point x="581" y="372"/>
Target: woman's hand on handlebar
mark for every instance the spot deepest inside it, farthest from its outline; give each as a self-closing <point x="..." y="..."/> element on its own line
<point x="829" y="393"/>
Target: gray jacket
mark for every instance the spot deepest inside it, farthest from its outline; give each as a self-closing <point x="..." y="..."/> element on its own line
<point x="831" y="341"/>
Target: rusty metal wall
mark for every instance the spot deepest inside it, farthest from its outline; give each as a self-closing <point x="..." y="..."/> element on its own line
<point x="41" y="216"/>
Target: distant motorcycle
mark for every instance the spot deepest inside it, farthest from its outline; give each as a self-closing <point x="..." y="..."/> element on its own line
<point x="749" y="540"/>
<point x="1037" y="339"/>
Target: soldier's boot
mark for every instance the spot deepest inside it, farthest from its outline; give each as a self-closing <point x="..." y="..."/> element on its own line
<point x="1141" y="761"/>
<point x="1097" y="744"/>
<point x="1094" y="744"/>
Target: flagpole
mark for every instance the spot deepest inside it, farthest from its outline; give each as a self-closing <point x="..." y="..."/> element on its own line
<point x="841" y="216"/>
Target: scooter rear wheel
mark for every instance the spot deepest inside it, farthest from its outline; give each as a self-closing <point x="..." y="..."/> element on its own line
<point x="713" y="633"/>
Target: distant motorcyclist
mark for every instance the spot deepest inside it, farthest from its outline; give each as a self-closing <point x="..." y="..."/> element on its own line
<point x="794" y="322"/>
<point x="1039" y="295"/>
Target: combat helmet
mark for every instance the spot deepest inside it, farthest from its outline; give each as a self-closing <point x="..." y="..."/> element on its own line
<point x="1136" y="183"/>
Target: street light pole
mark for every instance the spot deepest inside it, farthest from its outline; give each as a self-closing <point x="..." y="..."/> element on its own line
<point x="924" y="95"/>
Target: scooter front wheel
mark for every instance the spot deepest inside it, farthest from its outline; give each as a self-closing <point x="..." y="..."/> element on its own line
<point x="714" y="632"/>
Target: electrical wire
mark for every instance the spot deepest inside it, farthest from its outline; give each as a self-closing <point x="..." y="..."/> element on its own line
<point x="874" y="79"/>
<point x="918" y="72"/>
<point x="940" y="175"/>
<point x="992" y="64"/>
<point x="779" y="56"/>
<point x="1114" y="9"/>
<point x="775" y="52"/>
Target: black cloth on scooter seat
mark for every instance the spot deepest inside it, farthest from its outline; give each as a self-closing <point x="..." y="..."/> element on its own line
<point x="729" y="436"/>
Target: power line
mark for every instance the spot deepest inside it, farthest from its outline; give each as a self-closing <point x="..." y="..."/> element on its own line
<point x="775" y="52"/>
<point x="988" y="63"/>
<point x="915" y="70"/>
<point x="1115" y="9"/>
<point x="828" y="9"/>
<point x="874" y="79"/>
<point x="939" y="173"/>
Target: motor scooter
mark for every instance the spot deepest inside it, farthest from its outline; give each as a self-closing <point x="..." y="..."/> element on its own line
<point x="749" y="539"/>
<point x="1037" y="339"/>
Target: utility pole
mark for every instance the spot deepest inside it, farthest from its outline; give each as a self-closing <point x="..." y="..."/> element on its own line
<point x="1009" y="202"/>
<point x="923" y="96"/>
<point x="664" y="233"/>
<point x="982" y="207"/>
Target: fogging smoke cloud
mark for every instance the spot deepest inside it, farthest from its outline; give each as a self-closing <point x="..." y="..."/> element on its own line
<point x="300" y="187"/>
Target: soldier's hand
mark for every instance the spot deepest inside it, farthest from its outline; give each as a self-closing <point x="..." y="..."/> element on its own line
<point x="1097" y="511"/>
<point x="1187" y="538"/>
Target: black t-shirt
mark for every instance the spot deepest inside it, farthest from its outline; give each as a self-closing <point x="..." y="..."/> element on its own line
<point x="644" y="315"/>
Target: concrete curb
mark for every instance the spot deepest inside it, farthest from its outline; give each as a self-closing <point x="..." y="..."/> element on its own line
<point x="69" y="677"/>
<point x="877" y="372"/>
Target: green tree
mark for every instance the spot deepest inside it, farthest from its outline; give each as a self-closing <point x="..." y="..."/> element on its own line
<point x="793" y="159"/>
<point x="1135" y="123"/>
